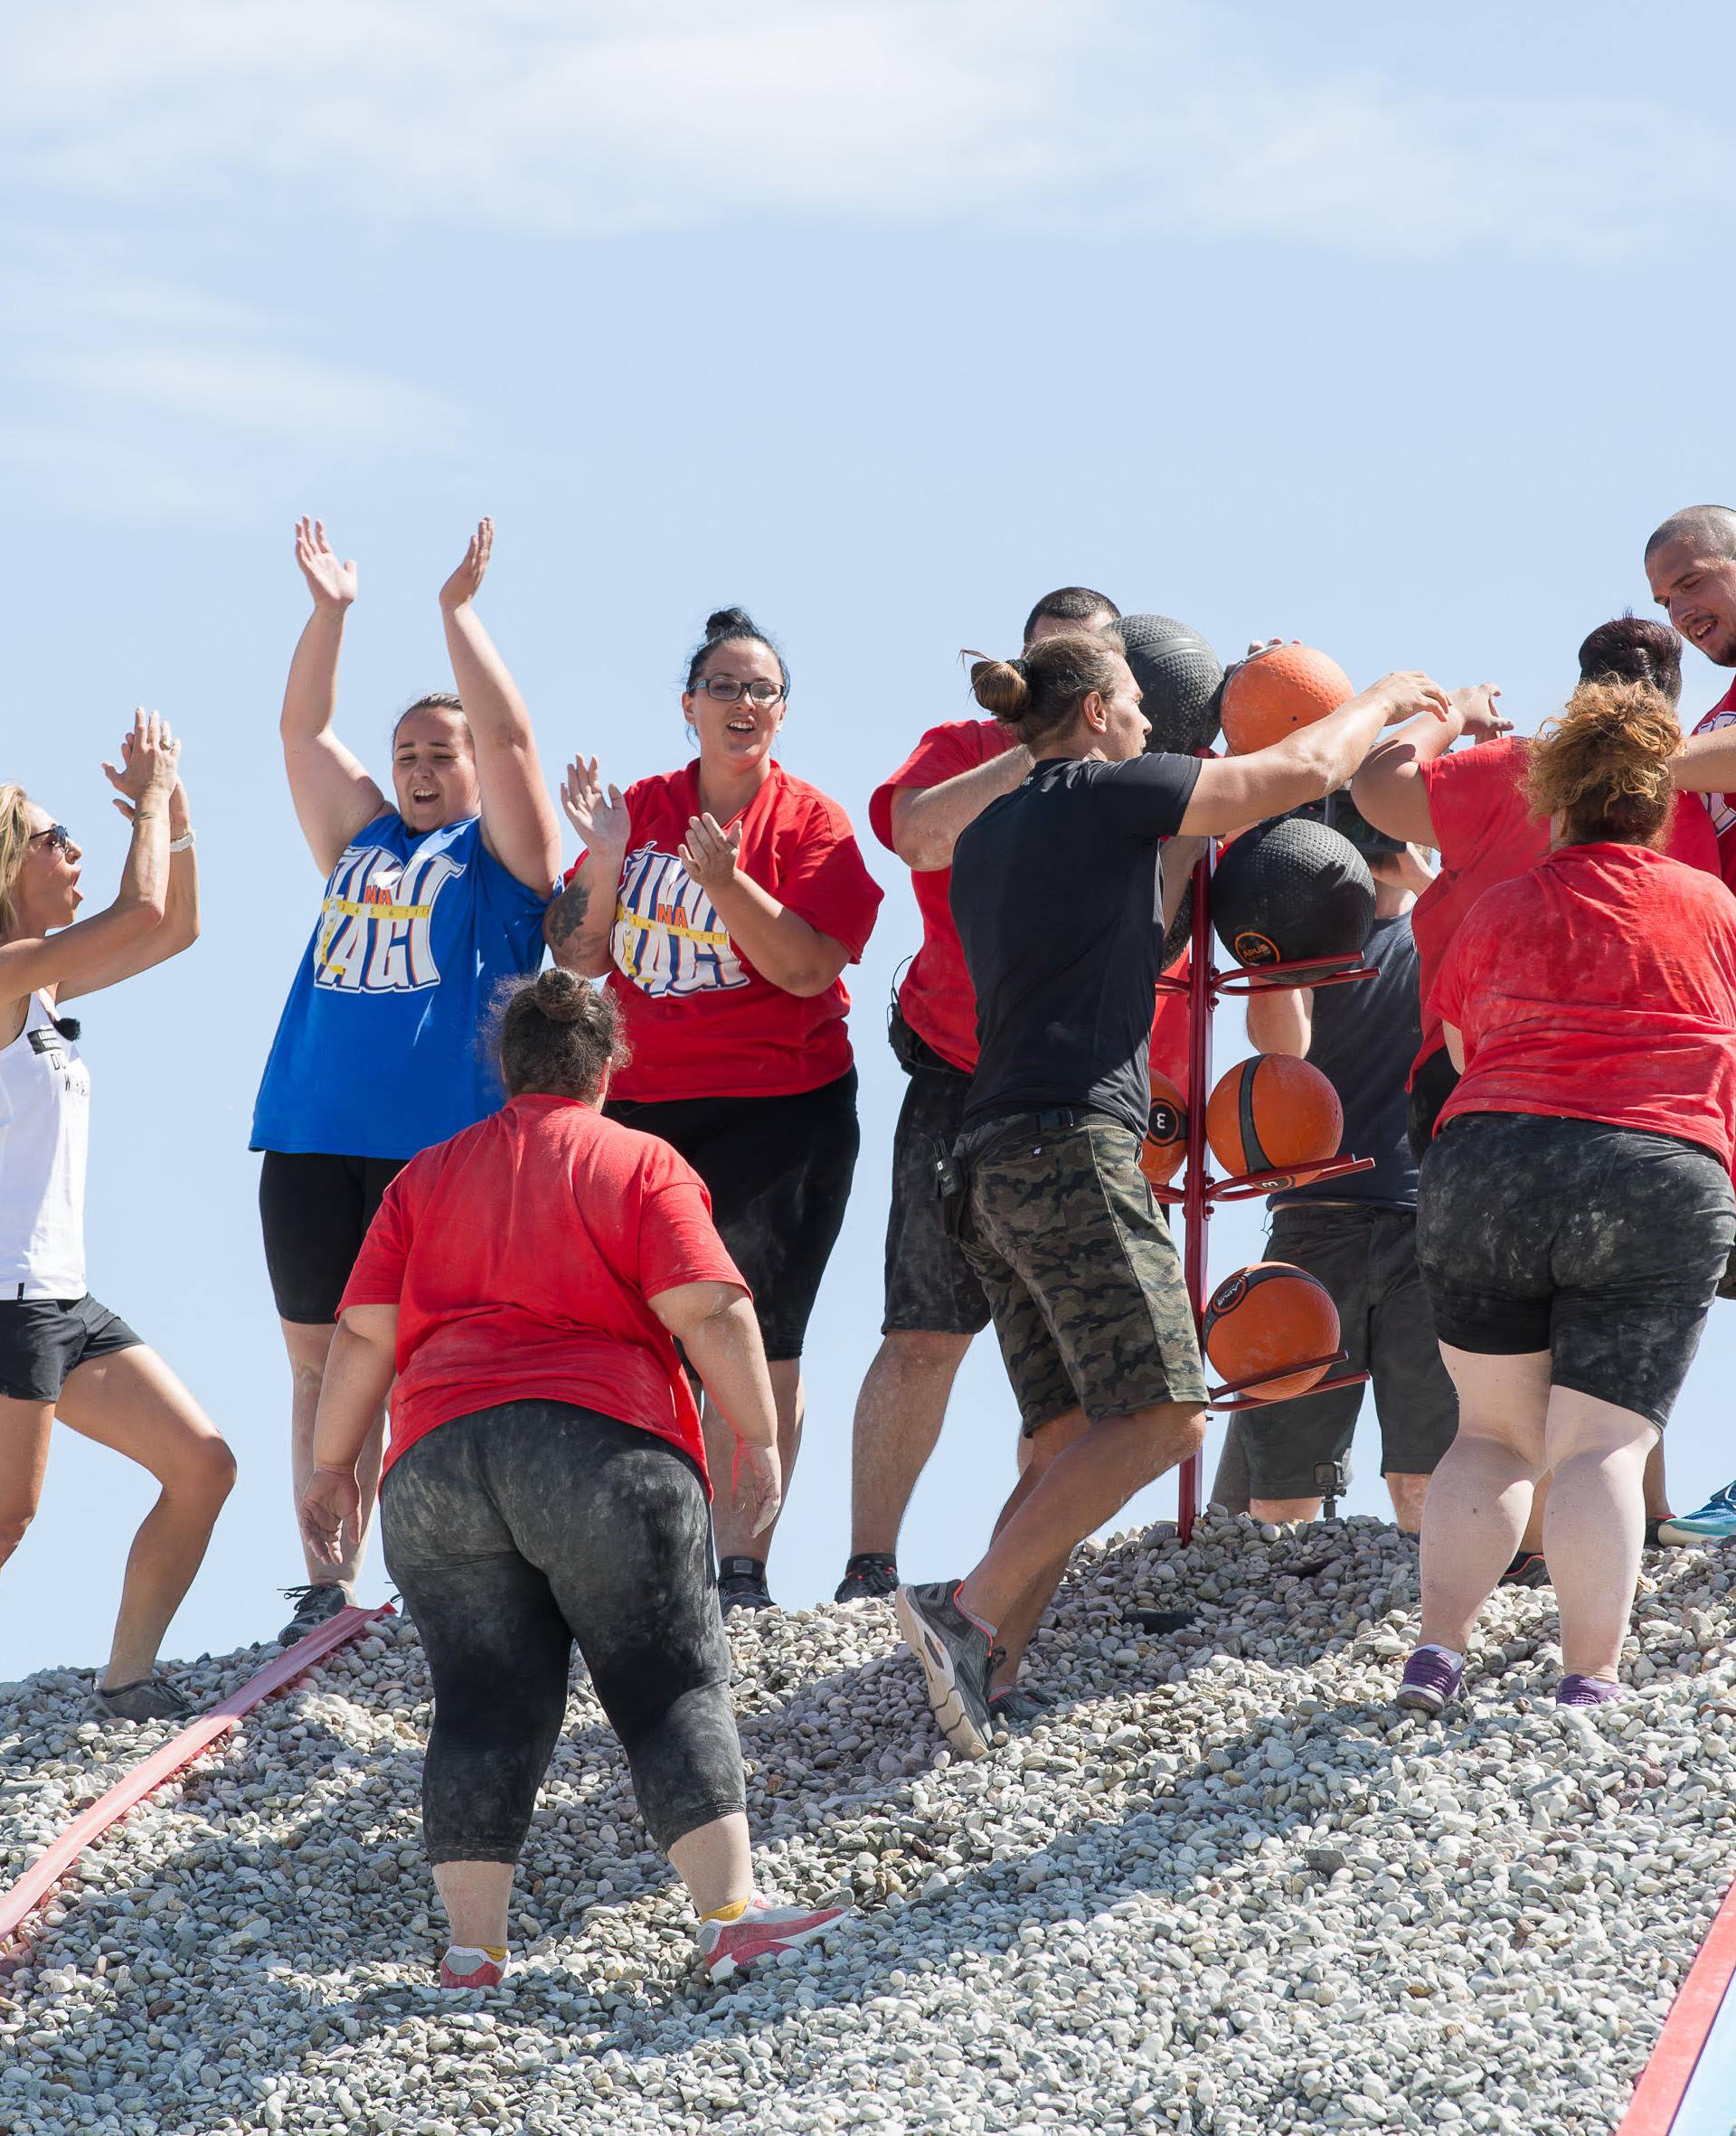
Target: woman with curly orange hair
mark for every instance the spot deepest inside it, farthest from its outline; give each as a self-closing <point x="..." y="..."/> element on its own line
<point x="1576" y="1211"/>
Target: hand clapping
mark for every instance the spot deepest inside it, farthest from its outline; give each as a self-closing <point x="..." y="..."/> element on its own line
<point x="708" y="853"/>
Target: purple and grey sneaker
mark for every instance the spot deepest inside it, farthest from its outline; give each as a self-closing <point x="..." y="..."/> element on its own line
<point x="1587" y="1691"/>
<point x="1430" y="1681"/>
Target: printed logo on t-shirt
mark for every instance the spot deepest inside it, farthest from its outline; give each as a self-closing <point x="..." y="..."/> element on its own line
<point x="668" y="939"/>
<point x="1719" y="807"/>
<point x="375" y="927"/>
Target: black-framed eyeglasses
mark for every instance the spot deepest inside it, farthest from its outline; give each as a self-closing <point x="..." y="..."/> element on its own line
<point x="56" y="834"/>
<point x="724" y="689"/>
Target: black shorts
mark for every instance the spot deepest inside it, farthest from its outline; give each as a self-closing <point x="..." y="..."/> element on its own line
<point x="1600" y="1244"/>
<point x="45" y="1341"/>
<point x="315" y="1211"/>
<point x="778" y="1173"/>
<point x="1366" y="1256"/>
<point x="1431" y="1087"/>
<point x="931" y="1287"/>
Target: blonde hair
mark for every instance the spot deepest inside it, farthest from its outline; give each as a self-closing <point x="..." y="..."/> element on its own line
<point x="1603" y="764"/>
<point x="14" y="843"/>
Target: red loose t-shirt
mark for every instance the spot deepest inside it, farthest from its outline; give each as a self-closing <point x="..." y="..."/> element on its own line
<point x="701" y="1021"/>
<point x="1720" y="808"/>
<point x="938" y="1002"/>
<point x="1600" y="985"/>
<point x="1487" y="834"/>
<point x="521" y="1255"/>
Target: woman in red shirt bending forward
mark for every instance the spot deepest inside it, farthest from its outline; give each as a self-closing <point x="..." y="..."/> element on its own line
<point x="723" y="902"/>
<point x="545" y="1479"/>
<point x="1575" y="1212"/>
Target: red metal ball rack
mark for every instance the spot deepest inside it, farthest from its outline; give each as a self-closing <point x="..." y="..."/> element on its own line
<point x="1200" y="1191"/>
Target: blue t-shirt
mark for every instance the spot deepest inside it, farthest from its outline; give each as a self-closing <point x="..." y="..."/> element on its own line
<point x="380" y="1050"/>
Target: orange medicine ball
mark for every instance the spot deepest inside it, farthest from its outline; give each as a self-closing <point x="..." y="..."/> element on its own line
<point x="1273" y="694"/>
<point x="1165" y="1143"/>
<point x="1270" y="1111"/>
<point x="1266" y="1318"/>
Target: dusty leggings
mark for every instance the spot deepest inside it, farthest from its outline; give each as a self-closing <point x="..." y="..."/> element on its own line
<point x="511" y="1534"/>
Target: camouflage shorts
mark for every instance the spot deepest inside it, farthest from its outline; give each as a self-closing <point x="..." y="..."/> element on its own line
<point x="1082" y="1275"/>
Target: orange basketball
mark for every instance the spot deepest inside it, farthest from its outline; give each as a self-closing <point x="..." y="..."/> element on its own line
<point x="1270" y="1111"/>
<point x="1268" y="1317"/>
<point x="1273" y="693"/>
<point x="1165" y="1143"/>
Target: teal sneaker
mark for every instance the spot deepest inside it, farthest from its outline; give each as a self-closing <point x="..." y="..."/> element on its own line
<point x="1716" y="1522"/>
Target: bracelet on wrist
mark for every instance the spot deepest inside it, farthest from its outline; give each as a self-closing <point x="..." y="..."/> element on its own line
<point x="181" y="844"/>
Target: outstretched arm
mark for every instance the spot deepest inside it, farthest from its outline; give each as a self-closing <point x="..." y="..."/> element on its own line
<point x="1280" y="1020"/>
<point x="926" y="820"/>
<point x="577" y="925"/>
<point x="518" y="820"/>
<point x="1706" y="763"/>
<point x="1389" y="789"/>
<point x="333" y="796"/>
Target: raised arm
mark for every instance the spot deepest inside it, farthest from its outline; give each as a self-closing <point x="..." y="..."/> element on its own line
<point x="926" y="820"/>
<point x="518" y="819"/>
<point x="333" y="796"/>
<point x="577" y="925"/>
<point x="781" y="946"/>
<point x="1233" y="792"/>
<point x="109" y="944"/>
<point x="179" y="928"/>
<point x="1389" y="789"/>
<point x="714" y="1324"/>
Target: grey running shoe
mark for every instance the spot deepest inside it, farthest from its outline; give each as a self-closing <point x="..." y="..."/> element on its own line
<point x="152" y="1699"/>
<point x="1015" y="1708"/>
<point x="314" y="1606"/>
<point x="1526" y="1570"/>
<point x="956" y="1657"/>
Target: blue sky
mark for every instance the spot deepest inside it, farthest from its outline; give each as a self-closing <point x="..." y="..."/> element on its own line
<point x="1392" y="330"/>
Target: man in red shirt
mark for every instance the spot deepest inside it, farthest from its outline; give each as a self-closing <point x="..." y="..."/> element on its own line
<point x="934" y="1302"/>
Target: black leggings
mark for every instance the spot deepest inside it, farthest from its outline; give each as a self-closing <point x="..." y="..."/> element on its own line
<point x="511" y="1532"/>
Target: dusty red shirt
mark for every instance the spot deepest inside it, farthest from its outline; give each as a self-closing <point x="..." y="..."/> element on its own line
<point x="1720" y="808"/>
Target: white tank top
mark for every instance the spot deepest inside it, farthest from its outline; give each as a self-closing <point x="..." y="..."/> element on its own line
<point x="44" y="1132"/>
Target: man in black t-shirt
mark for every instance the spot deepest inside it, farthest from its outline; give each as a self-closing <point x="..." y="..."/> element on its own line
<point x="1057" y="893"/>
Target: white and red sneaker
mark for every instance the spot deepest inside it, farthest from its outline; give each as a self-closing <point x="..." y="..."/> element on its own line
<point x="466" y="1966"/>
<point x="761" y="1930"/>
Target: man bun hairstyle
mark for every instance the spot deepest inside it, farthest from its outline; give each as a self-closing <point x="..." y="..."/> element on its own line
<point x="730" y="627"/>
<point x="1038" y="694"/>
<point x="1632" y="648"/>
<point x="1603" y="765"/>
<point x="1071" y="604"/>
<point x="557" y="1034"/>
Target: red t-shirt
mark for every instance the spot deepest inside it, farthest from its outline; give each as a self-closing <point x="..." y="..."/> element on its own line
<point x="1720" y="808"/>
<point x="1487" y="834"/>
<point x="520" y="1256"/>
<point x="701" y="1021"/>
<point x="938" y="1002"/>
<point x="1600" y="985"/>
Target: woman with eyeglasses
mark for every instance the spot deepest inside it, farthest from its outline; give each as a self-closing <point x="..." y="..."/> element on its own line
<point x="722" y="902"/>
<point x="62" y="1353"/>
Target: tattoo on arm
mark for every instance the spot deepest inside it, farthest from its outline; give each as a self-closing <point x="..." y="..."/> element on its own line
<point x="566" y="916"/>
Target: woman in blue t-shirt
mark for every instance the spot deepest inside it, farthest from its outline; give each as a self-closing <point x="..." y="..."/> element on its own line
<point x="428" y="904"/>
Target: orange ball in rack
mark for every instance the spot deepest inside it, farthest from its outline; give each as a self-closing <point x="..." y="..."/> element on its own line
<point x="1273" y="694"/>
<point x="1165" y="1143"/>
<point x="1272" y="1111"/>
<point x="1264" y="1320"/>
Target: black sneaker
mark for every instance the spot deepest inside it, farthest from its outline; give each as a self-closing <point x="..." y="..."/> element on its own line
<point x="1527" y="1570"/>
<point x="1015" y="1708"/>
<point x="742" y="1585"/>
<point x="869" y="1575"/>
<point x="314" y="1605"/>
<point x="151" y="1698"/>
<point x="956" y="1657"/>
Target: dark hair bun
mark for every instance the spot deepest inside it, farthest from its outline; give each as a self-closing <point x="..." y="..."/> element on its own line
<point x="560" y="994"/>
<point x="730" y="623"/>
<point x="999" y="687"/>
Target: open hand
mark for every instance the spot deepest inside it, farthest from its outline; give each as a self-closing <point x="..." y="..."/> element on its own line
<point x="331" y="583"/>
<point x="465" y="582"/>
<point x="331" y="1499"/>
<point x="757" y="1485"/>
<point x="1407" y="692"/>
<point x="150" y="762"/>
<point x="1476" y="706"/>
<point x="600" y="818"/>
<point x="708" y="853"/>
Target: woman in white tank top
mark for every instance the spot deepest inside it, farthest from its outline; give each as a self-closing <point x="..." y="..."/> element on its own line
<point x="62" y="1353"/>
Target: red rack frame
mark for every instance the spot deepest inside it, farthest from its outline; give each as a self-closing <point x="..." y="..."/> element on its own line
<point x="1200" y="1191"/>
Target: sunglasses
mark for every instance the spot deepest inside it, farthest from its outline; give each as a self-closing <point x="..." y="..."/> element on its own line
<point x="57" y="835"/>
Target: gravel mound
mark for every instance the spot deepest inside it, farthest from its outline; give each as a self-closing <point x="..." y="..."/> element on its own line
<point x="1225" y="1886"/>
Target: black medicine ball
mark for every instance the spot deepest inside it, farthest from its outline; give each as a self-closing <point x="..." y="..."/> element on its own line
<point x="1292" y="891"/>
<point x="1181" y="679"/>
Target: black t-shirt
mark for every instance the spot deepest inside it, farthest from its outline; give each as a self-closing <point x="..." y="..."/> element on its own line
<point x="1057" y="893"/>
<point x="1366" y="1037"/>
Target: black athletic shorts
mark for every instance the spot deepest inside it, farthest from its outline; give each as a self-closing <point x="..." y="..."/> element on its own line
<point x="45" y="1341"/>
<point x="1433" y="1083"/>
<point x="1366" y="1256"/>
<point x="778" y="1173"/>
<point x="315" y="1211"/>
<point x="1600" y="1244"/>
<point x="931" y="1287"/>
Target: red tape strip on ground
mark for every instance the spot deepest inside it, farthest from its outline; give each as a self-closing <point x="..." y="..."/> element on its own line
<point x="18" y="1903"/>
<point x="1664" y="2081"/>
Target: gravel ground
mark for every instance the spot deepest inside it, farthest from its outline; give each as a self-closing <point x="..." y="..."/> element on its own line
<point x="1225" y="1887"/>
